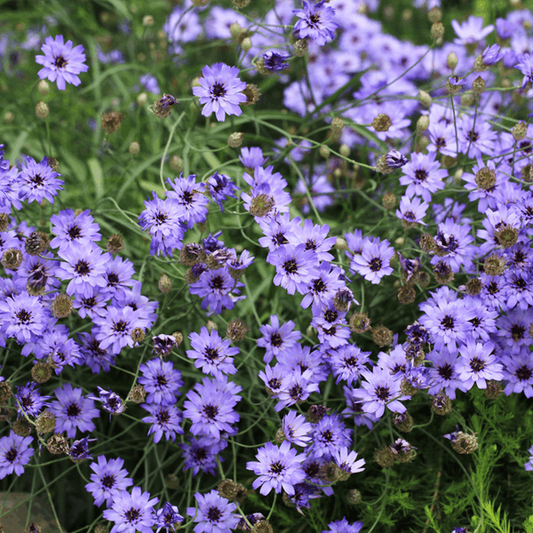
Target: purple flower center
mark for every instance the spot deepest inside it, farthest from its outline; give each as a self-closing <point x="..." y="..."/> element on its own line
<point x="82" y="268"/>
<point x="275" y="340"/>
<point x="132" y="515"/>
<point x="421" y="174"/>
<point x="11" y="455"/>
<point x="375" y="264"/>
<point x="290" y="266"/>
<point x="276" y="468"/>
<point x="211" y="353"/>
<point x="211" y="411"/>
<point x="24" y="317"/>
<point x="445" y="371"/>
<point x="447" y="322"/>
<point x="523" y="373"/>
<point x="73" y="410"/>
<point x="382" y="393"/>
<point x="60" y="62"/>
<point x="74" y="232"/>
<point x="218" y="90"/>
<point x="213" y="514"/>
<point x="477" y="364"/>
<point x="330" y="315"/>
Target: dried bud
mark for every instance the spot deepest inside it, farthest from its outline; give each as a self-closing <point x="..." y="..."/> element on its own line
<point x="474" y="286"/>
<point x="163" y="107"/>
<point x="176" y="163"/>
<point x="427" y="243"/>
<point x="42" y="110"/>
<point x="172" y="481"/>
<point x="354" y="497"/>
<point x="237" y="330"/>
<point x="62" y="306"/>
<point x="337" y="124"/>
<point x="9" y="117"/>
<point x="230" y="490"/>
<point x="46" y="422"/>
<point x="441" y="404"/>
<point x="36" y="243"/>
<point x="300" y="48"/>
<point x="134" y="148"/>
<point x="403" y="452"/>
<point x="527" y="173"/>
<point x="434" y="15"/>
<point x="451" y="60"/>
<point x="235" y="139"/>
<point x="383" y="166"/>
<point x="211" y="326"/>
<point x="324" y="152"/>
<point x="240" y="4"/>
<point x="381" y="122"/>
<point x="43" y="87"/>
<point x="236" y="30"/>
<point x="384" y="457"/>
<point x="111" y="121"/>
<point x="406" y="294"/>
<point x="493" y="390"/>
<point x="443" y="273"/>
<point x="316" y="413"/>
<point x="190" y="276"/>
<point x="137" y="394"/>
<point x="403" y="421"/>
<point x="4" y="221"/>
<point x="41" y="372"/>
<point x="344" y="150"/>
<point x="148" y="20"/>
<point x="261" y="205"/>
<point x="142" y="99"/>
<point x="252" y="94"/>
<point x="486" y="178"/>
<point x="57" y="444"/>
<point x="137" y="334"/>
<point x="12" y="259"/>
<point x="389" y="201"/>
<point x="164" y="284"/>
<point x="478" y="86"/>
<point x="342" y="300"/>
<point x="21" y="427"/>
<point x="178" y="337"/>
<point x="506" y="236"/>
<point x="359" y="323"/>
<point x="115" y="243"/>
<point x="465" y="443"/>
<point x="422" y="123"/>
<point x="262" y="526"/>
<point x="382" y="335"/>
<point x="437" y="30"/>
<point x="519" y="131"/>
<point x="190" y="254"/>
<point x="5" y="391"/>
<point x="246" y="44"/>
<point x="494" y="265"/>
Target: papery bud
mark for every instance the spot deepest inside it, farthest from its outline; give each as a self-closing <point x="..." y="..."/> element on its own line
<point x="246" y="44"/>
<point x="172" y="481"/>
<point x="12" y="258"/>
<point x="324" y="151"/>
<point x="137" y="334"/>
<point x="519" y="131"/>
<point x="211" y="326"/>
<point x="337" y="124"/>
<point x="252" y="94"/>
<point x="316" y="413"/>
<point x="57" y="444"/>
<point x="382" y="335"/>
<point x="9" y="117"/>
<point x="478" y="86"/>
<point x="41" y="372"/>
<point x="406" y="295"/>
<point x="134" y="148"/>
<point x="42" y="110"/>
<point x="381" y="122"/>
<point x="403" y="421"/>
<point x="142" y="99"/>
<point x="526" y="173"/>
<point x="148" y="20"/>
<point x="441" y="404"/>
<point x="36" y="243"/>
<point x="43" y="87"/>
<point x="465" y="443"/>
<point x="486" y="178"/>
<point x="422" y="123"/>
<point x="4" y="221"/>
<point x="344" y="150"/>
<point x="46" y="422"/>
<point x="235" y="139"/>
<point x="21" y="427"/>
<point x="61" y="306"/>
<point x="176" y="163"/>
<point x="506" y="236"/>
<point x="354" y="497"/>
<point x="389" y="201"/>
<point x="474" y="286"/>
<point x="443" y="273"/>
<point x="383" y="167"/>
<point x="5" y="391"/>
<point x="237" y="330"/>
<point x="236" y="30"/>
<point x="115" y="243"/>
<point x="384" y="457"/>
<point x="437" y="30"/>
<point x="359" y="323"/>
<point x="261" y="205"/>
<point x="164" y="284"/>
<point x="178" y="337"/>
<point x="425" y="98"/>
<point x="300" y="48"/>
<point x="434" y="15"/>
<point x="163" y="107"/>
<point x="111" y="121"/>
<point x="452" y="61"/>
<point x="494" y="265"/>
<point x="137" y="394"/>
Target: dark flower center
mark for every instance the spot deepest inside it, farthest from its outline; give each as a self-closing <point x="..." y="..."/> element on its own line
<point x="351" y="361"/>
<point x="523" y="373"/>
<point x="89" y="302"/>
<point x="296" y="392"/>
<point x="211" y="411"/>
<point x="37" y="179"/>
<point x="382" y="393"/>
<point x="163" y="417"/>
<point x="319" y="285"/>
<point x="24" y="317"/>
<point x="162" y="380"/>
<point x="199" y="455"/>
<point x="314" y="19"/>
<point x="274" y="383"/>
<point x="440" y="142"/>
<point x="276" y="340"/>
<point x="213" y="514"/>
<point x="280" y="239"/>
<point x="11" y="455"/>
<point x="211" y="353"/>
<point x="310" y="245"/>
<point x="312" y="469"/>
<point x="187" y="197"/>
<point x="445" y="371"/>
<point x="375" y="264"/>
<point x="112" y="279"/>
<point x="120" y="326"/>
<point x="73" y="410"/>
<point x="132" y="515"/>
<point x="475" y="322"/>
<point x="473" y="136"/>
<point x="327" y="435"/>
<point x="447" y="322"/>
<point x="108" y="481"/>
<point x="161" y="218"/>
<point x="517" y="332"/>
<point x="74" y="232"/>
<point x="276" y="468"/>
<point x="330" y="315"/>
<point x="217" y="283"/>
<point x="82" y="268"/>
<point x="290" y="266"/>
<point x="218" y="90"/>
<point x="421" y="174"/>
<point x="60" y="62"/>
<point x="477" y="364"/>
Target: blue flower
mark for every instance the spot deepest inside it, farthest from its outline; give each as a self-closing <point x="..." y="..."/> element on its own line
<point x="316" y="22"/>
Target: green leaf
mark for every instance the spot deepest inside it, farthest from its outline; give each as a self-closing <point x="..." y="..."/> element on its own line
<point x="98" y="176"/>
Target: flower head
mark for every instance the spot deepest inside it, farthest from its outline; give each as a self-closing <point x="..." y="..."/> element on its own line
<point x="61" y="63"/>
<point x="15" y="453"/>
<point x="132" y="512"/>
<point x="316" y="22"/>
<point x="214" y="513"/>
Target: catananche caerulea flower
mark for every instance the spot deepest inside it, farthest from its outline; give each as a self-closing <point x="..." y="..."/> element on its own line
<point x="214" y="513"/>
<point x="69" y="227"/>
<point x="161" y="381"/>
<point x="73" y="411"/>
<point x="61" y="63"/>
<point x="132" y="512"/>
<point x="329" y="434"/>
<point x="296" y="429"/>
<point x="278" y="467"/>
<point x="221" y="188"/>
<point x="471" y="31"/>
<point x="115" y="327"/>
<point x="107" y="480"/>
<point x="212" y="354"/>
<point x="374" y="260"/>
<point x="30" y="400"/>
<point x="200" y="454"/>
<point x="423" y="175"/>
<point x="37" y="181"/>
<point x="168" y="517"/>
<point x="478" y="364"/>
<point x="15" y="453"/>
<point x="276" y="338"/>
<point x="165" y="420"/>
<point x="343" y="526"/>
<point x="220" y="90"/>
<point x="275" y="61"/>
<point x="189" y="198"/>
<point x="316" y="22"/>
<point x="23" y="317"/>
<point x="525" y="65"/>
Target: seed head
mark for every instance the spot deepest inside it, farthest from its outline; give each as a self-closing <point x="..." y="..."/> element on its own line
<point x="137" y="334"/>
<point x="46" y="422"/>
<point x="465" y="443"/>
<point x="473" y="286"/>
<point x="178" y="336"/>
<point x="383" y="166"/>
<point x="506" y="236"/>
<point x="434" y="15"/>
<point x="382" y="335"/>
<point x="527" y="173"/>
<point x="36" y="243"/>
<point x="43" y="87"/>
<point x="359" y="323"/>
<point x="382" y="122"/>
<point x="21" y="427"/>
<point x="137" y="394"/>
<point x="316" y="413"/>
<point x="354" y="497"/>
<point x="12" y="259"/>
<point x="42" y="110"/>
<point x="403" y="421"/>
<point x="300" y="48"/>
<point x="389" y="201"/>
<point x="235" y="139"/>
<point x="240" y="4"/>
<point x="519" y="131"/>
<point x="115" y="243"/>
<point x="134" y="148"/>
<point x="252" y="94"/>
<point x="111" y="121"/>
<point x="41" y="372"/>
<point x="486" y="178"/>
<point x="57" y="444"/>
<point x="163" y="107"/>
<point x="5" y="392"/>
<point x="262" y="526"/>
<point x="176" y="163"/>
<point x="4" y="221"/>
<point x="384" y="457"/>
<point x="437" y="30"/>
<point x="494" y="265"/>
<point x="441" y="404"/>
<point x="61" y="306"/>
<point x="406" y="294"/>
<point x="478" y="86"/>
<point x="164" y="284"/>
<point x="261" y="205"/>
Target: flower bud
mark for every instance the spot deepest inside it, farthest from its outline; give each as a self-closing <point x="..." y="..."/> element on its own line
<point x="235" y="139"/>
<point x="43" y="87"/>
<point x="494" y="265"/>
<point x="486" y="178"/>
<point x="62" y="306"/>
<point x="178" y="337"/>
<point x="46" y="422"/>
<point x="237" y="330"/>
<point x="12" y="258"/>
<point x="344" y="150"/>
<point x="389" y="201"/>
<point x="148" y="20"/>
<point x="9" y="117"/>
<point x="443" y="273"/>
<point x="163" y="107"/>
<point x="115" y="243"/>
<point x="142" y="99"/>
<point x="526" y="173"/>
<point x="137" y="394"/>
<point x="252" y="94"/>
<point x="41" y="372"/>
<point x="246" y="44"/>
<point x="382" y="166"/>
<point x="337" y="124"/>
<point x="42" y="110"/>
<point x="36" y="243"/>
<point x="451" y="60"/>
<point x="134" y="148"/>
<point x="384" y="457"/>
<point x="424" y="98"/>
<point x="519" y="131"/>
<point x="5" y="391"/>
<point x="236" y="30"/>
<point x="261" y="205"/>
<point x="164" y="284"/>
<point x="382" y="335"/>
<point x="437" y="30"/>
<point x="359" y="323"/>
<point x="406" y="294"/>
<point x="111" y="121"/>
<point x="354" y="497"/>
<point x="21" y="427"/>
<point x="381" y="122"/>
<point x="506" y="236"/>
<point x="422" y="123"/>
<point x="465" y="443"/>
<point x="403" y="421"/>
<point x="176" y="163"/>
<point x="300" y="48"/>
<point x="57" y="444"/>
<point x="474" y="286"/>
<point x="137" y="334"/>
<point x="441" y="404"/>
<point x="434" y="15"/>
<point x="478" y="86"/>
<point x="324" y="151"/>
<point x="211" y="326"/>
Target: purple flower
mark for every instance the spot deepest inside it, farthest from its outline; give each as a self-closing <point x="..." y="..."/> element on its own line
<point x="294" y="267"/>
<point x="79" y="451"/>
<point x="115" y="328"/>
<point x="149" y="83"/>
<point x="395" y="159"/>
<point x="296" y="429"/>
<point x="525" y="65"/>
<point x="165" y="420"/>
<point x="343" y="526"/>
<point x="277" y="467"/>
<point x="491" y="55"/>
<point x="412" y="210"/>
<point x="61" y="63"/>
<point x="168" y="517"/>
<point x="275" y="61"/>
<point x="252" y="157"/>
<point x="475" y="136"/>
<point x="161" y="381"/>
<point x="518" y="371"/>
<point x="347" y="460"/>
<point x="478" y="364"/>
<point x="108" y="480"/>
<point x="423" y="175"/>
<point x="221" y="188"/>
<point x="69" y="228"/>
<point x="200" y="454"/>
<point x="374" y="261"/>
<point x="221" y="91"/>
<point x="316" y="22"/>
<point x="15" y="453"/>
<point x="471" y="31"/>
<point x="277" y="339"/>
<point x="347" y="363"/>
<point x="111" y="402"/>
<point x="189" y="198"/>
<point x="329" y="434"/>
<point x="444" y="375"/>
<point x="37" y="181"/>
<point x="211" y="353"/>
<point x="30" y="400"/>
<point x="132" y="512"/>
<point x="73" y="411"/>
<point x="23" y="317"/>
<point x="296" y="386"/>
<point x="214" y="513"/>
<point x="529" y="465"/>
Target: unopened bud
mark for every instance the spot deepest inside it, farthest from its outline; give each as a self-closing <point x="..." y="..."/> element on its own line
<point x="211" y="326"/>
<point x="300" y="48"/>
<point x="382" y="336"/>
<point x="61" y="306"/>
<point x="236" y="30"/>
<point x="437" y="30"/>
<point x="164" y="284"/>
<point x="422" y="123"/>
<point x="389" y="200"/>
<point x="176" y="163"/>
<point x="519" y="131"/>
<point x="246" y="44"/>
<point x="451" y="60"/>
<point x="9" y="117"/>
<point x="236" y="330"/>
<point x="148" y="20"/>
<point x="324" y="152"/>
<point x="12" y="258"/>
<point x="424" y="98"/>
<point x="478" y="86"/>
<point x="467" y="99"/>
<point x="111" y="121"/>
<point x="381" y="122"/>
<point x="115" y="243"/>
<point x="434" y="15"/>
<point x="142" y="99"/>
<point x="235" y="139"/>
<point x="134" y="148"/>
<point x="344" y="150"/>
<point x="43" y="87"/>
<point x="41" y="110"/>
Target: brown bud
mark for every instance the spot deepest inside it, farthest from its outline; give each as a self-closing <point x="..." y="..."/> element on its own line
<point x="61" y="306"/>
<point x="465" y="443"/>
<point x="384" y="457"/>
<point x="382" y="166"/>
<point x="111" y="121"/>
<point x="478" y="86"/>
<point x="41" y="372"/>
<point x="382" y="335"/>
<point x="406" y="295"/>
<point x="425" y="98"/>
<point x="437" y="30"/>
<point x="211" y="326"/>
<point x="261" y="205"/>
<point x="240" y="4"/>
<point x="262" y="526"/>
<point x="403" y="421"/>
<point x="527" y="173"/>
<point x="434" y="15"/>
<point x="138" y="334"/>
<point x="354" y="497"/>
<point x="316" y="413"/>
<point x="519" y="131"/>
<point x="164" y="284"/>
<point x="172" y="481"/>
<point x="4" y="221"/>
<point x="237" y="330"/>
<point x="252" y="94"/>
<point x="176" y="163"/>
<point x="5" y="391"/>
<point x="115" y="243"/>
<point x="57" y="444"/>
<point x="486" y="178"/>
<point x="178" y="337"/>
<point x="134" y="148"/>
<point x="443" y="273"/>
<point x="474" y="286"/>
<point x="359" y="323"/>
<point x="441" y="404"/>
<point x="163" y="107"/>
<point x="36" y="243"/>
<point x="300" y="48"/>
<point x="42" y="110"/>
<point x="137" y="394"/>
<point x="21" y="427"/>
<point x="46" y="422"/>
<point x="506" y="236"/>
<point x="12" y="259"/>
<point x="381" y="122"/>
<point x="235" y="139"/>
<point x="389" y="201"/>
